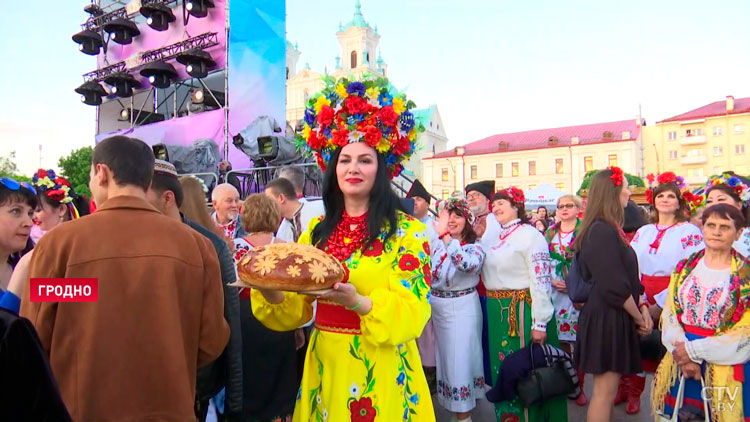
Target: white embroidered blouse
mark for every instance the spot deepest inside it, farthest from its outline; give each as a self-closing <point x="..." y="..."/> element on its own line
<point x="456" y="267"/>
<point x="677" y="243"/>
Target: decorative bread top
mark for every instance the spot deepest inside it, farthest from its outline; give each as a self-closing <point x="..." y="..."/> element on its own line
<point x="293" y="266"/>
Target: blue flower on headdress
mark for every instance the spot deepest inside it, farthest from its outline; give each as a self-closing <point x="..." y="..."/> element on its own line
<point x="391" y="159"/>
<point x="356" y="88"/>
<point x="310" y="116"/>
<point x="332" y="97"/>
<point x="355" y="118"/>
<point x="407" y="121"/>
<point x="327" y="132"/>
<point x="385" y="99"/>
<point x="326" y="153"/>
<point x="733" y="181"/>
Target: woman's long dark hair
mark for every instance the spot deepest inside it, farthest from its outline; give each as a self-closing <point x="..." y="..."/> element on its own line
<point x="383" y="207"/>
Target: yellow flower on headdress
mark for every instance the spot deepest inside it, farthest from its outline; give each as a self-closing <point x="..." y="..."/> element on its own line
<point x="306" y="131"/>
<point x="412" y="134"/>
<point x="320" y="102"/>
<point x="383" y="146"/>
<point x="399" y="106"/>
<point x="341" y="91"/>
<point x="47" y="182"/>
<point x="372" y="94"/>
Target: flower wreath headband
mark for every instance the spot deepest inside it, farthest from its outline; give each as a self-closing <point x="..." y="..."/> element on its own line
<point x="201" y="181"/>
<point x="56" y="188"/>
<point x="369" y="111"/>
<point x="692" y="201"/>
<point x="516" y="194"/>
<point x="457" y="202"/>
<point x="740" y="188"/>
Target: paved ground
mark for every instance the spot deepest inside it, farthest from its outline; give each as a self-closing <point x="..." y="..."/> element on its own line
<point x="485" y="411"/>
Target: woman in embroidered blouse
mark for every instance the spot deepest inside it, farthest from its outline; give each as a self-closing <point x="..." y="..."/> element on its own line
<point x="560" y="238"/>
<point x="659" y="247"/>
<point x="609" y="324"/>
<point x="456" y="314"/>
<point x="362" y="363"/>
<point x="733" y="190"/>
<point x="516" y="273"/>
<point x="706" y="326"/>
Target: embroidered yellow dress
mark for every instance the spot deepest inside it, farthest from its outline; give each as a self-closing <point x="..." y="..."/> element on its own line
<point x="365" y="369"/>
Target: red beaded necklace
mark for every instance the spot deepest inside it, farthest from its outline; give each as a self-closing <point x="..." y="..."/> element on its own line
<point x="344" y="240"/>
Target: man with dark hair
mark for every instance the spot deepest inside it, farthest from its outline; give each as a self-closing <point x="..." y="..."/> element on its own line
<point x="296" y="175"/>
<point x="159" y="315"/>
<point x="166" y="195"/>
<point x="297" y="214"/>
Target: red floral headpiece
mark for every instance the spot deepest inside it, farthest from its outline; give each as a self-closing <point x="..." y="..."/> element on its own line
<point x="515" y="194"/>
<point x="617" y="175"/>
<point x="661" y="179"/>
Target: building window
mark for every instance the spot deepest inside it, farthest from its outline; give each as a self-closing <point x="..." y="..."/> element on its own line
<point x="532" y="187"/>
<point x="672" y="155"/>
<point x="353" y="59"/>
<point x="445" y="193"/>
<point x="445" y="175"/>
<point x="499" y="170"/>
<point x="718" y="130"/>
<point x="532" y="168"/>
<point x="559" y="169"/>
<point x="694" y="153"/>
<point x="739" y="129"/>
<point x="718" y="151"/>
<point x="473" y="172"/>
<point x="739" y="149"/>
<point x="560" y="186"/>
<point x="612" y="160"/>
<point x="696" y="172"/>
<point x="672" y="135"/>
<point x="694" y="132"/>
<point x="514" y="169"/>
<point x="588" y="163"/>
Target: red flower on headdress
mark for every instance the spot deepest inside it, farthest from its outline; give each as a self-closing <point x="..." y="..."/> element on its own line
<point x="325" y="117"/>
<point x="316" y="141"/>
<point x="373" y="135"/>
<point x="666" y="177"/>
<point x="395" y="171"/>
<point x="62" y="181"/>
<point x="516" y="194"/>
<point x="341" y="137"/>
<point x="321" y="162"/>
<point x="650" y="178"/>
<point x="650" y="196"/>
<point x="388" y="116"/>
<point x="402" y="146"/>
<point x="41" y="173"/>
<point x="56" y="194"/>
<point x="355" y="104"/>
<point x="617" y="175"/>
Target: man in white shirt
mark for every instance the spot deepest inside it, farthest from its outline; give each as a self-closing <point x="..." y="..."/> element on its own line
<point x="296" y="213"/>
<point x="225" y="200"/>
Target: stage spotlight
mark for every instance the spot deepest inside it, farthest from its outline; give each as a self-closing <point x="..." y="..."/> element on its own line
<point x="198" y="8"/>
<point x="158" y="15"/>
<point x="159" y="74"/>
<point x="122" y="84"/>
<point x="141" y="117"/>
<point x="93" y="9"/>
<point x="91" y="93"/>
<point x="212" y="100"/>
<point x="197" y="62"/>
<point x="89" y="41"/>
<point x="122" y="30"/>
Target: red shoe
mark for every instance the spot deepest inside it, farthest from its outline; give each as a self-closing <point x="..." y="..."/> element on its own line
<point x="581" y="400"/>
<point x="622" y="391"/>
<point x="637" y="384"/>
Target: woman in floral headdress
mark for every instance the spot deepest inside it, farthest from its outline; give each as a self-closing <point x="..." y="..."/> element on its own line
<point x="456" y="315"/>
<point x="659" y="247"/>
<point x="58" y="202"/>
<point x="362" y="364"/>
<point x="517" y="275"/>
<point x="733" y="190"/>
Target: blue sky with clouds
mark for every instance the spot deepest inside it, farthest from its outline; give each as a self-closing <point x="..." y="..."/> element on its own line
<point x="491" y="66"/>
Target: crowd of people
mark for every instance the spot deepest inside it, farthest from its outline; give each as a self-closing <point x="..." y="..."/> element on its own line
<point x="450" y="299"/>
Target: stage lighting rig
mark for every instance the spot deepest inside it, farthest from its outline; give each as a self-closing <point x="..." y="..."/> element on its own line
<point x="93" y="9"/>
<point x="122" y="30"/>
<point x="89" y="42"/>
<point x="91" y="93"/>
<point x="122" y="84"/>
<point x="198" y="8"/>
<point x="197" y="62"/>
<point x="160" y="74"/>
<point x="158" y="15"/>
<point x="140" y="118"/>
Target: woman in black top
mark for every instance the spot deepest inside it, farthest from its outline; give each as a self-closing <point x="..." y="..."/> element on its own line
<point x="611" y="321"/>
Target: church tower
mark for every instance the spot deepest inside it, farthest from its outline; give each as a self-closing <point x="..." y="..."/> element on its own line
<point x="359" y="46"/>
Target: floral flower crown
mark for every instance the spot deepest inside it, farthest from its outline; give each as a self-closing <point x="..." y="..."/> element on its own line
<point x="201" y="181"/>
<point x="369" y="111"/>
<point x="55" y="187"/>
<point x="617" y="175"/>
<point x="662" y="179"/>
<point x="515" y="194"/>
<point x="740" y="188"/>
<point x="457" y="202"/>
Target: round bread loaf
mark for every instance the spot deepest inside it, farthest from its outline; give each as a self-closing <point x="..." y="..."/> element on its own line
<point x="289" y="266"/>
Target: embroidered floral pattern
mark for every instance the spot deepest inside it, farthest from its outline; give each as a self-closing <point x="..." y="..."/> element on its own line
<point x="691" y="240"/>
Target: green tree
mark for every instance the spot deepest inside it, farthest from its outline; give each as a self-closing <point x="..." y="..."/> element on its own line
<point x="633" y="181"/>
<point x="8" y="168"/>
<point x="75" y="167"/>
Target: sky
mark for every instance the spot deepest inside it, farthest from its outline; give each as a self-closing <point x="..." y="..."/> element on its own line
<point x="491" y="66"/>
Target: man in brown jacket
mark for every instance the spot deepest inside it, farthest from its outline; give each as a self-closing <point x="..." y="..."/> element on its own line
<point x="133" y="354"/>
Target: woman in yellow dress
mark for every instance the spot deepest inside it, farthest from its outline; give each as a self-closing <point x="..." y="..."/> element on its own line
<point x="362" y="364"/>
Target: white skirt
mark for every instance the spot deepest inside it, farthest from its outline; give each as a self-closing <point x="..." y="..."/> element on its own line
<point x="458" y="334"/>
<point x="566" y="316"/>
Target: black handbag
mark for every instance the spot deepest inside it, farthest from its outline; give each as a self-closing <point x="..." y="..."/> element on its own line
<point x="651" y="346"/>
<point x="578" y="287"/>
<point x="545" y="382"/>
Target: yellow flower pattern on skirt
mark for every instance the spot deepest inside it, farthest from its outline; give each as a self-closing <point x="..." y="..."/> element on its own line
<point x="375" y="375"/>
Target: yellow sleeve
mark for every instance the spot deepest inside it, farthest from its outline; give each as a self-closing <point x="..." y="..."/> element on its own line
<point x="400" y="311"/>
<point x="294" y="311"/>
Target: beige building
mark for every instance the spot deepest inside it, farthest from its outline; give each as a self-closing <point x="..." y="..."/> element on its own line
<point x="359" y="44"/>
<point x="701" y="142"/>
<point x="560" y="157"/>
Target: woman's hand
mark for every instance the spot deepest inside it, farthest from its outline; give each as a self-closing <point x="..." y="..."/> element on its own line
<point x="560" y="286"/>
<point x="655" y="312"/>
<point x="648" y="322"/>
<point x="538" y="337"/>
<point x="346" y="294"/>
<point x="680" y="354"/>
<point x="691" y="370"/>
<point x="272" y="296"/>
<point x="441" y="222"/>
